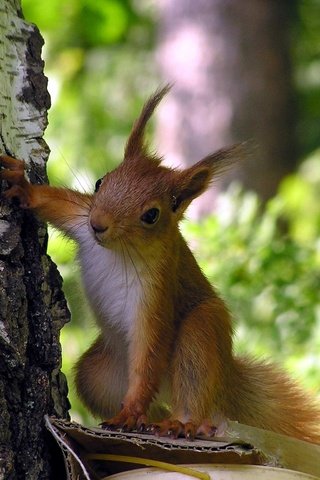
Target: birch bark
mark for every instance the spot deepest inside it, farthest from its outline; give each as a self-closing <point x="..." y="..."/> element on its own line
<point x="32" y="305"/>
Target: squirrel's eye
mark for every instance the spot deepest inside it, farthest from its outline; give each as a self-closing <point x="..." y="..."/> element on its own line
<point x="151" y="216"/>
<point x="97" y="185"/>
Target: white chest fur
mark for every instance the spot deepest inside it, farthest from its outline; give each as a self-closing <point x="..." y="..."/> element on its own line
<point x="112" y="283"/>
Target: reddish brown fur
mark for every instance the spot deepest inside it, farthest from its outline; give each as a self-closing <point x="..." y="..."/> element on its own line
<point x="182" y="331"/>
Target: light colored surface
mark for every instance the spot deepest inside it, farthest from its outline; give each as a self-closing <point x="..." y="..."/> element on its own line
<point x="217" y="472"/>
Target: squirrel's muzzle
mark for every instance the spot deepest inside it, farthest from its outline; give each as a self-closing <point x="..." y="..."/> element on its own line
<point x="99" y="222"/>
<point x="98" y="227"/>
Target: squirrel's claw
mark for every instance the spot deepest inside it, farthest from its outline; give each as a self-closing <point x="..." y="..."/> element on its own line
<point x="168" y="428"/>
<point x="13" y="173"/>
<point x="174" y="429"/>
<point x="160" y="429"/>
<point x="125" y="421"/>
<point x="11" y="163"/>
<point x="128" y="419"/>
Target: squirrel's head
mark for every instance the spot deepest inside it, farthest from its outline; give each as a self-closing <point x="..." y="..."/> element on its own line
<point x="141" y="201"/>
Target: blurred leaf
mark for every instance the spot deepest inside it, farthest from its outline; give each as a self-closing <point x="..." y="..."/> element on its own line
<point x="104" y="21"/>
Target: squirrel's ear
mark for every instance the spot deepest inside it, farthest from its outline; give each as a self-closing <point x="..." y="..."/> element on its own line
<point x="193" y="181"/>
<point x="135" y="144"/>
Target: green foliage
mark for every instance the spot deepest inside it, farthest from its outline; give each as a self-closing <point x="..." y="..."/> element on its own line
<point x="306" y="69"/>
<point x="266" y="264"/>
<point x="98" y="61"/>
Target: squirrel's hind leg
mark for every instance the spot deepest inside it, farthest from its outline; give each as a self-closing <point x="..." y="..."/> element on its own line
<point x="199" y="372"/>
<point x="101" y="379"/>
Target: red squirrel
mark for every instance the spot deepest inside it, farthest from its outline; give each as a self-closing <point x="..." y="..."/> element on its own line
<point x="165" y="334"/>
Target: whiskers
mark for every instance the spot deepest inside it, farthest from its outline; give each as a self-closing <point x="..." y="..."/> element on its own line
<point x="135" y="271"/>
<point x="133" y="253"/>
<point x="128" y="255"/>
<point x="81" y="179"/>
<point x="81" y="200"/>
<point x="75" y="223"/>
<point x="140" y="257"/>
<point x="133" y="267"/>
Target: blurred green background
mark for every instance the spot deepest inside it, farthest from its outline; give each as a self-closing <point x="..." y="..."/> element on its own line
<point x="264" y="261"/>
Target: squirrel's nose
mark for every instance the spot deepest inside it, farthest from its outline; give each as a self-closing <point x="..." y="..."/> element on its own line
<point x="98" y="226"/>
<point x="100" y="221"/>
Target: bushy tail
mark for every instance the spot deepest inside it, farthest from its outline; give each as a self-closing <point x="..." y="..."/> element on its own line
<point x="265" y="397"/>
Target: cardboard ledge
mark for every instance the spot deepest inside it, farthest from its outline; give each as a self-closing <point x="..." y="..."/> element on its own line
<point x="243" y="445"/>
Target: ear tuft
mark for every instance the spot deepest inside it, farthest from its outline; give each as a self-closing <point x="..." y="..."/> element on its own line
<point x="135" y="144"/>
<point x="219" y="162"/>
<point x="193" y="181"/>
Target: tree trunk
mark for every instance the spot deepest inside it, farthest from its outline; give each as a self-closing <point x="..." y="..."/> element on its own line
<point x="32" y="305"/>
<point x="229" y="61"/>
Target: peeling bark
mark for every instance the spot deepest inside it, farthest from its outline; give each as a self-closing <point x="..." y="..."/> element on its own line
<point x="32" y="305"/>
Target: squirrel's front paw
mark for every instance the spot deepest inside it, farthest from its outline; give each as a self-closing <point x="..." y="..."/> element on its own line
<point x="126" y="421"/>
<point x="174" y="429"/>
<point x="13" y="170"/>
<point x="13" y="173"/>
